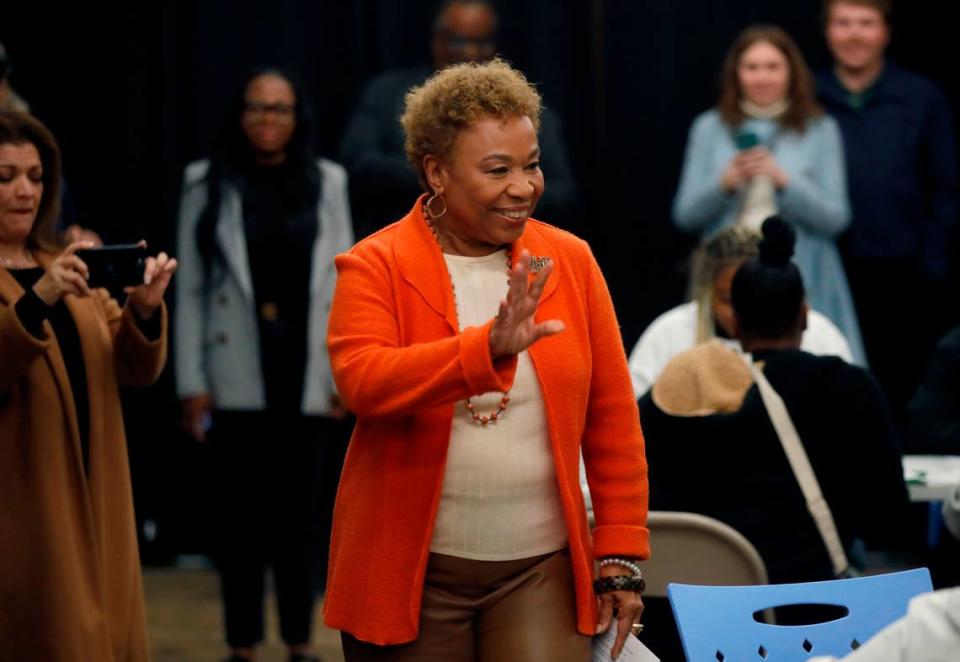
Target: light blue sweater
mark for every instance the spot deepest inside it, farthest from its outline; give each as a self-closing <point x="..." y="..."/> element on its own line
<point x="814" y="201"/>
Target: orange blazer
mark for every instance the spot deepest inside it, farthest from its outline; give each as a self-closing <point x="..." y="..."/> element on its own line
<point x="401" y="366"/>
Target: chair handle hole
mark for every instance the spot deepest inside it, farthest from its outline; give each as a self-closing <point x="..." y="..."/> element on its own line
<point x="803" y="614"/>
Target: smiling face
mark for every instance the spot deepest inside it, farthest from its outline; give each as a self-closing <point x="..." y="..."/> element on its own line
<point x="21" y="189"/>
<point x="857" y="36"/>
<point x="491" y="184"/>
<point x="269" y="116"/>
<point x="763" y="73"/>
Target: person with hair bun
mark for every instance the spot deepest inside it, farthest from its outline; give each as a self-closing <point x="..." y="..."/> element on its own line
<point x="709" y="314"/>
<point x="712" y="448"/>
<point x="480" y="351"/>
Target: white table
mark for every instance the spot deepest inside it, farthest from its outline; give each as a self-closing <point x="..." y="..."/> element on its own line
<point x="931" y="477"/>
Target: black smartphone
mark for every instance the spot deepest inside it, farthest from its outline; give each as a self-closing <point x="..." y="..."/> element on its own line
<point x="115" y="267"/>
<point x="746" y="140"/>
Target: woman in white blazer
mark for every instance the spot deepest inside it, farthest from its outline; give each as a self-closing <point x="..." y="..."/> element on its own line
<point x="260" y="223"/>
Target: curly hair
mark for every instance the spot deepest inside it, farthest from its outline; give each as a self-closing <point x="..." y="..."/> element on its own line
<point x="21" y="129"/>
<point x="457" y="96"/>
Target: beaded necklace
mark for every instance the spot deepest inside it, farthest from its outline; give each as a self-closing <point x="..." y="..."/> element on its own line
<point x="478" y="418"/>
<point x="19" y="263"/>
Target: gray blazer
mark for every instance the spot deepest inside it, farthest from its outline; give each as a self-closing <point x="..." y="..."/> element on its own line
<point x="216" y="335"/>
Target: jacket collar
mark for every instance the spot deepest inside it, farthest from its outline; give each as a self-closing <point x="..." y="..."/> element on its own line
<point x="233" y="239"/>
<point x="421" y="262"/>
<point x="830" y="87"/>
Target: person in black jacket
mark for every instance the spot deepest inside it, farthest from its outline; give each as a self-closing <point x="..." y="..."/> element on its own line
<point x="382" y="183"/>
<point x="901" y="157"/>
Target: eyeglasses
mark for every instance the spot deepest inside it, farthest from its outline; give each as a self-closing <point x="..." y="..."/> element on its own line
<point x="283" y="113"/>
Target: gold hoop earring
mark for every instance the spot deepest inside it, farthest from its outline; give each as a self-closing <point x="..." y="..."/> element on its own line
<point x="430" y="213"/>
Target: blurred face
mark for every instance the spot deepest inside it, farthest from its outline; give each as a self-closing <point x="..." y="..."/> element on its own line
<point x="491" y="184"/>
<point x="269" y="116"/>
<point x="722" y="301"/>
<point x="764" y="74"/>
<point x="466" y="35"/>
<point x="857" y="36"/>
<point x="21" y="189"/>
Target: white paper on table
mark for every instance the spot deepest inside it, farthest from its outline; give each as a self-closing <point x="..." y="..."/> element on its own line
<point x="633" y="650"/>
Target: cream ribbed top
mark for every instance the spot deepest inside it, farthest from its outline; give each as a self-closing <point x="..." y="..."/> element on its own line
<point x="500" y="497"/>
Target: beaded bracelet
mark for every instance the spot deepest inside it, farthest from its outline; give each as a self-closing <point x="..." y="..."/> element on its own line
<point x="619" y="583"/>
<point x="623" y="563"/>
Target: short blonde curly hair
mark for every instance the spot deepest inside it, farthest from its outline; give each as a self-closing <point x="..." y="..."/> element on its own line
<point x="457" y="96"/>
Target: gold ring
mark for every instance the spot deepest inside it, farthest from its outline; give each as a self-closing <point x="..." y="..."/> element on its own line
<point x="637" y="628"/>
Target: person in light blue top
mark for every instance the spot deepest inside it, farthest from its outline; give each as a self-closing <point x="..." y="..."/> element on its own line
<point x="767" y="148"/>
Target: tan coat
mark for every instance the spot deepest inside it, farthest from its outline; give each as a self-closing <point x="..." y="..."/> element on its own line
<point x="70" y="583"/>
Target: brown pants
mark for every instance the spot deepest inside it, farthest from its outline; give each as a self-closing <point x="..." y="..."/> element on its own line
<point x="490" y="611"/>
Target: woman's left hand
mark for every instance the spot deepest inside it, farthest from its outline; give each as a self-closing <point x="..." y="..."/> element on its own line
<point x="514" y="328"/>
<point x="146" y="298"/>
<point x="625" y="607"/>
<point x="759" y="161"/>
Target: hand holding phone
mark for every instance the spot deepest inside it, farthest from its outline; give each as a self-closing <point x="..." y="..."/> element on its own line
<point x="746" y="140"/>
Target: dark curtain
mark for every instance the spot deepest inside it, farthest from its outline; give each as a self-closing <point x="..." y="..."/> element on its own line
<point x="134" y="91"/>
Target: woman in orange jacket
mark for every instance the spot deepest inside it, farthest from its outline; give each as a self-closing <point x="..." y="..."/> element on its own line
<point x="480" y="352"/>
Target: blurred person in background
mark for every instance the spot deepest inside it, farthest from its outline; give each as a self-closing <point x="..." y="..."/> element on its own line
<point x="901" y="172"/>
<point x="382" y="181"/>
<point x="70" y="572"/>
<point x="709" y="313"/>
<point x="767" y="148"/>
<point x="933" y="414"/>
<point x="713" y="450"/>
<point x="260" y="223"/>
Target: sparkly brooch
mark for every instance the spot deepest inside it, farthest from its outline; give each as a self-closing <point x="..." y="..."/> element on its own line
<point x="538" y="262"/>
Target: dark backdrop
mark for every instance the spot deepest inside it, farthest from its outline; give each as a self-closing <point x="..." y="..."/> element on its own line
<point x="135" y="92"/>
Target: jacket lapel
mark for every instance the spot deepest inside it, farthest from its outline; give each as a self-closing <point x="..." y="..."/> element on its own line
<point x="233" y="239"/>
<point x="421" y="264"/>
<point x="11" y="291"/>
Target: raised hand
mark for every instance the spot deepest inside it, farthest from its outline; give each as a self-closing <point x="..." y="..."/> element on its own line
<point x="514" y="329"/>
<point x="157" y="273"/>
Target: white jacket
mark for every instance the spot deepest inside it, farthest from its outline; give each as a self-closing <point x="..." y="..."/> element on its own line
<point x="216" y="334"/>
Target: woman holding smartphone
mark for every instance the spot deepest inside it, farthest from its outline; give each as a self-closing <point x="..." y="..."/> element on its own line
<point x="70" y="586"/>
<point x="260" y="224"/>
<point x="767" y="148"/>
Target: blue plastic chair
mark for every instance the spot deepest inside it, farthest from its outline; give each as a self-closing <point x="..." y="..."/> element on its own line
<point x="717" y="623"/>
